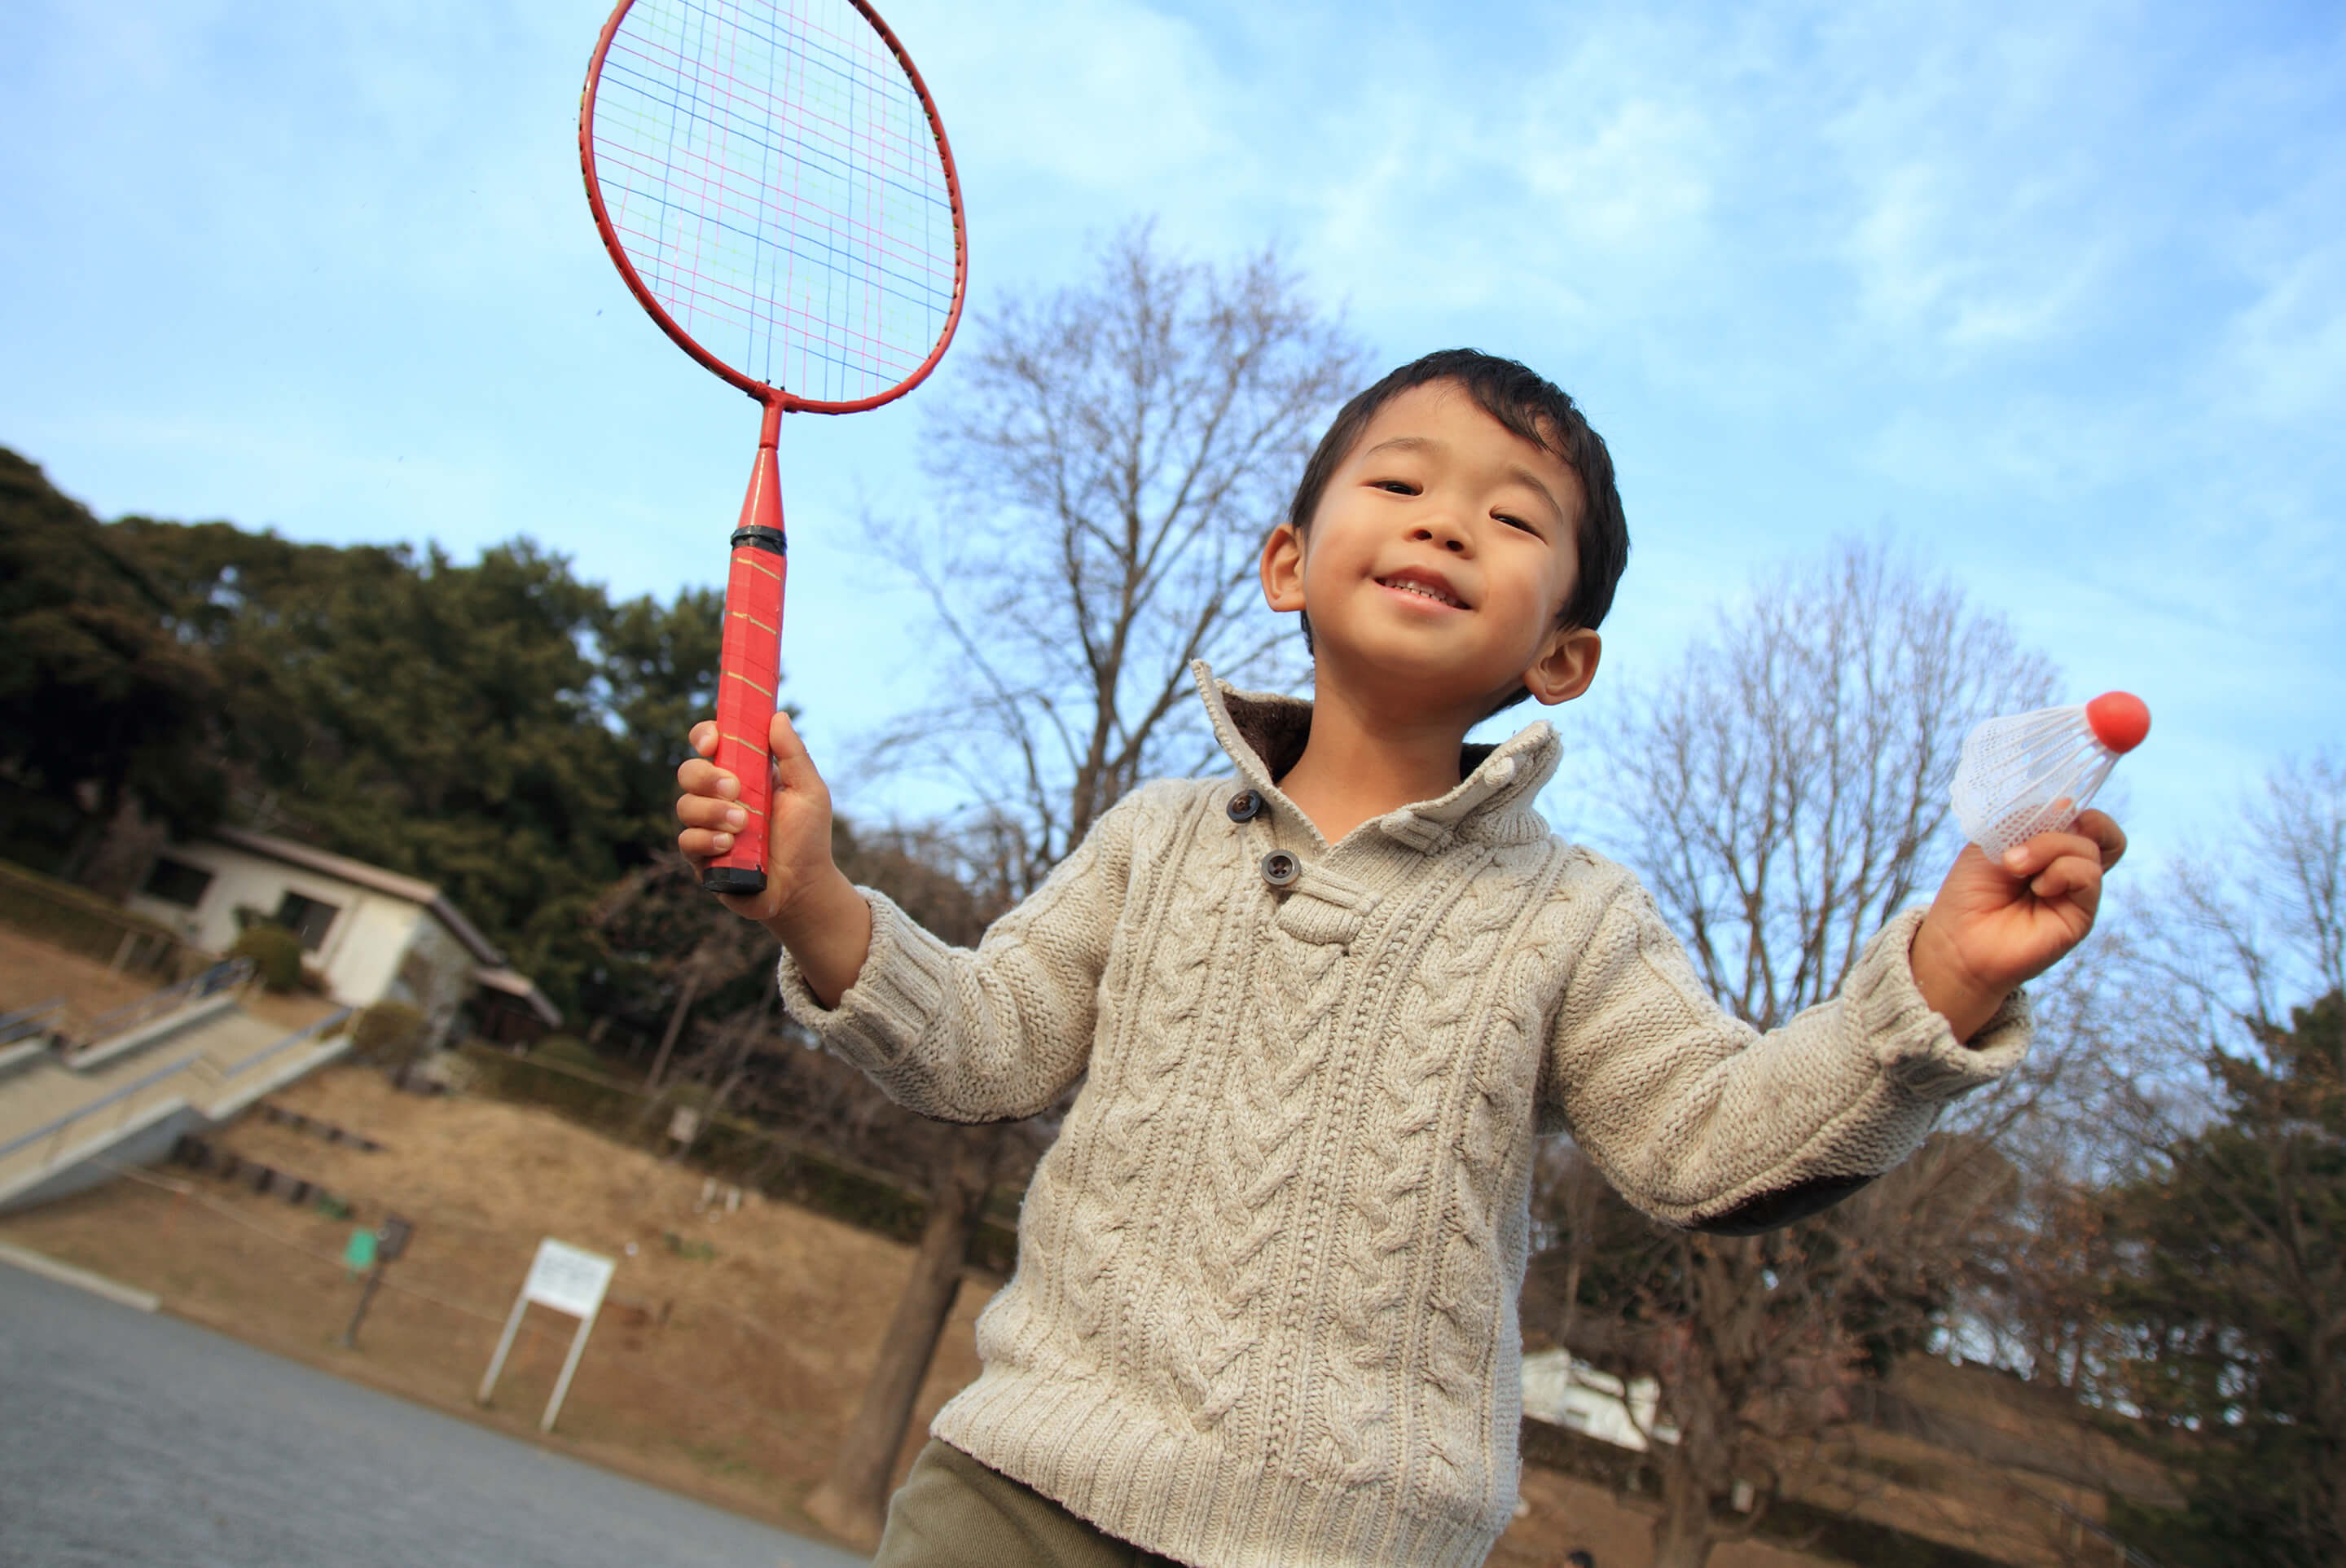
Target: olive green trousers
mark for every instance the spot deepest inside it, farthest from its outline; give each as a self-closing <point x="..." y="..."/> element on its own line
<point x="953" y="1512"/>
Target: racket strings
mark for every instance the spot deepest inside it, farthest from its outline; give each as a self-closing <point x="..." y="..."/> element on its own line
<point x="775" y="182"/>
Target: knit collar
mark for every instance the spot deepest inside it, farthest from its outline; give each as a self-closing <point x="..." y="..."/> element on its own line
<point x="1264" y="732"/>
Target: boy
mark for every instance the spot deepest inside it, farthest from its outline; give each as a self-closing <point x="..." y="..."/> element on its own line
<point x="1264" y="1310"/>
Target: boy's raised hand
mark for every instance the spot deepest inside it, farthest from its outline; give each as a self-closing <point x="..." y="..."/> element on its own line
<point x="1996" y="925"/>
<point x="814" y="909"/>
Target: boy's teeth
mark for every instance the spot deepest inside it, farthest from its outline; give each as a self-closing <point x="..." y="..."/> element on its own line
<point x="1423" y="591"/>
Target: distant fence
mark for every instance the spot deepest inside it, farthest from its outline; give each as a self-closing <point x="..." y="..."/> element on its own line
<point x="81" y="922"/>
<point x="740" y="1151"/>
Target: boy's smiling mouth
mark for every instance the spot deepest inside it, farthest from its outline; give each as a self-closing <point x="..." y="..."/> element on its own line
<point x="1419" y="583"/>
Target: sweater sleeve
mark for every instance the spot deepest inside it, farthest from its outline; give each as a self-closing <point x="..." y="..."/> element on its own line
<point x="992" y="1034"/>
<point x="1702" y="1121"/>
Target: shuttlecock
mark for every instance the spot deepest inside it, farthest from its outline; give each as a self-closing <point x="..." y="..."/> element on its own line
<point x="2031" y="773"/>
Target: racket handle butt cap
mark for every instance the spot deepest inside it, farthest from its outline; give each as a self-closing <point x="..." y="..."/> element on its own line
<point x="739" y="881"/>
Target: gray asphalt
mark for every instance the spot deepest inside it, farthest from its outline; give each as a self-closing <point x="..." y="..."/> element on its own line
<point x="128" y="1441"/>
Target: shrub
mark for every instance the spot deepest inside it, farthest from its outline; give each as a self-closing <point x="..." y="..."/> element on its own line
<point x="569" y="1050"/>
<point x="389" y="1034"/>
<point x="276" y="954"/>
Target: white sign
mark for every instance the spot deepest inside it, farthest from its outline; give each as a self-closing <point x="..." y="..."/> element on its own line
<point x="568" y="1279"/>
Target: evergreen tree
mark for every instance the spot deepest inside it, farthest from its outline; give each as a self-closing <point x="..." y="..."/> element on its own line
<point x="100" y="704"/>
<point x="500" y="729"/>
<point x="2232" y="1288"/>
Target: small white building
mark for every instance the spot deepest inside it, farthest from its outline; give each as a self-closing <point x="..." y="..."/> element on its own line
<point x="1568" y="1392"/>
<point x="373" y="934"/>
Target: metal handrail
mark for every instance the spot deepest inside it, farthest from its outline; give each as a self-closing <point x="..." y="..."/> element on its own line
<point x="320" y="1029"/>
<point x="61" y="1123"/>
<point x="200" y="1064"/>
<point x="15" y="1026"/>
<point x="121" y="1020"/>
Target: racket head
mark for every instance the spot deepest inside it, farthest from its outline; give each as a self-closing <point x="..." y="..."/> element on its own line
<point x="773" y="182"/>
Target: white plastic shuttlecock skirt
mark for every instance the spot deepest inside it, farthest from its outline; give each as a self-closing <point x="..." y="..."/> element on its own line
<point x="2032" y="773"/>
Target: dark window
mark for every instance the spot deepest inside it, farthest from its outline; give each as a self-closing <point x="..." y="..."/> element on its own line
<point x="177" y="882"/>
<point x="307" y="919"/>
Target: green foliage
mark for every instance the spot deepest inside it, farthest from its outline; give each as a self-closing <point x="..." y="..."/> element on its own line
<point x="276" y="954"/>
<point x="389" y="1034"/>
<point x="501" y="729"/>
<point x="95" y="691"/>
<point x="2233" y="1291"/>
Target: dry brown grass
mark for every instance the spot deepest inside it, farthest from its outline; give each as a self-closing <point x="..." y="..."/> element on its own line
<point x="33" y="971"/>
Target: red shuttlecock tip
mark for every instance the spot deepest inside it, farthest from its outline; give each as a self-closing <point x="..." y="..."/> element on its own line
<point x="2119" y="719"/>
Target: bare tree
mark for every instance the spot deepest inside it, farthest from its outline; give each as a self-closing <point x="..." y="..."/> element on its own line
<point x="1784" y="793"/>
<point x="1105" y="475"/>
<point x="958" y="1167"/>
<point x="1758" y="1345"/>
<point x="657" y="918"/>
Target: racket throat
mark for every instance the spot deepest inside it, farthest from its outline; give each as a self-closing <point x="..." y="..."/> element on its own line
<point x="761" y="507"/>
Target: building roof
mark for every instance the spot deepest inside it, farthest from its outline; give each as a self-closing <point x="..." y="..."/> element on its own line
<point x="520" y="986"/>
<point x="359" y="874"/>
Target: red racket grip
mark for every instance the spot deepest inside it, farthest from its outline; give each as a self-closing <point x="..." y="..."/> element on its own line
<point x="748" y="670"/>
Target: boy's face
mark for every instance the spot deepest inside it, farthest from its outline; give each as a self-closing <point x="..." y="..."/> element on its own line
<point x="1441" y="553"/>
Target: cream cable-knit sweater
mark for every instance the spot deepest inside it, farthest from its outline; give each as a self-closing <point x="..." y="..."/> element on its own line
<point x="1264" y="1310"/>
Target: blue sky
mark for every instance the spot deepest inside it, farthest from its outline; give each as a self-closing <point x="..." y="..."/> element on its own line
<point x="2055" y="294"/>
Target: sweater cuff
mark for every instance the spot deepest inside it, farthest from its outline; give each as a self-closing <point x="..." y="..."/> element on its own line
<point x="1913" y="1042"/>
<point x="896" y="995"/>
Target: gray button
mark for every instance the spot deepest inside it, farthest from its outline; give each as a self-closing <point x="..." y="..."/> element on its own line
<point x="1245" y="806"/>
<point x="1280" y="868"/>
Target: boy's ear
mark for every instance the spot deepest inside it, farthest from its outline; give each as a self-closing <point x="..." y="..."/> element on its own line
<point x="1282" y="569"/>
<point x="1565" y="666"/>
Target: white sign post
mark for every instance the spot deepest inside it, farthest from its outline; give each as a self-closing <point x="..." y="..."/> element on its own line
<point x="568" y="1279"/>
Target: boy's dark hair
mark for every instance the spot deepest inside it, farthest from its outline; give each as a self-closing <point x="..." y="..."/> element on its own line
<point x="1532" y="407"/>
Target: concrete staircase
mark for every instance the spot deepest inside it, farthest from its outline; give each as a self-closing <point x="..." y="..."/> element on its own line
<point x="186" y="1059"/>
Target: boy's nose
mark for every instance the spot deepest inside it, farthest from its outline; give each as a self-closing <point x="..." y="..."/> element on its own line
<point x="1444" y="534"/>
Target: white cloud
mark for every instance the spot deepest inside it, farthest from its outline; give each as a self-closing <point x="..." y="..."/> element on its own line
<point x="2285" y="352"/>
<point x="1100" y="94"/>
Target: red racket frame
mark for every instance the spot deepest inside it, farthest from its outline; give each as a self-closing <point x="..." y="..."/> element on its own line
<point x="749" y="662"/>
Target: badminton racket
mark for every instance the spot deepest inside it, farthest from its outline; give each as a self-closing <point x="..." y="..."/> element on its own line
<point x="773" y="183"/>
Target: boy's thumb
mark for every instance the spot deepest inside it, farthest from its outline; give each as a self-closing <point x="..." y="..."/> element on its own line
<point x="793" y="768"/>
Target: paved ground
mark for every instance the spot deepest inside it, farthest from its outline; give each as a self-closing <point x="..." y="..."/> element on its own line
<point x="131" y="1441"/>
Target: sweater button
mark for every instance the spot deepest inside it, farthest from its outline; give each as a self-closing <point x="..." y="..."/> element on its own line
<point x="1245" y="806"/>
<point x="1280" y="869"/>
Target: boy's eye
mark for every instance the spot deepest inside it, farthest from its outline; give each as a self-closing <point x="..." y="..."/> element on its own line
<point x="1397" y="486"/>
<point x="1515" y="523"/>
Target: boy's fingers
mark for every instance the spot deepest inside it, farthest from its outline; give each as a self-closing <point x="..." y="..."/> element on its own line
<point x="697" y="777"/>
<point x="2029" y="859"/>
<point x="700" y="845"/>
<point x="2103" y="831"/>
<point x="2071" y="876"/>
<point x="704" y="738"/>
<point x="716" y="815"/>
